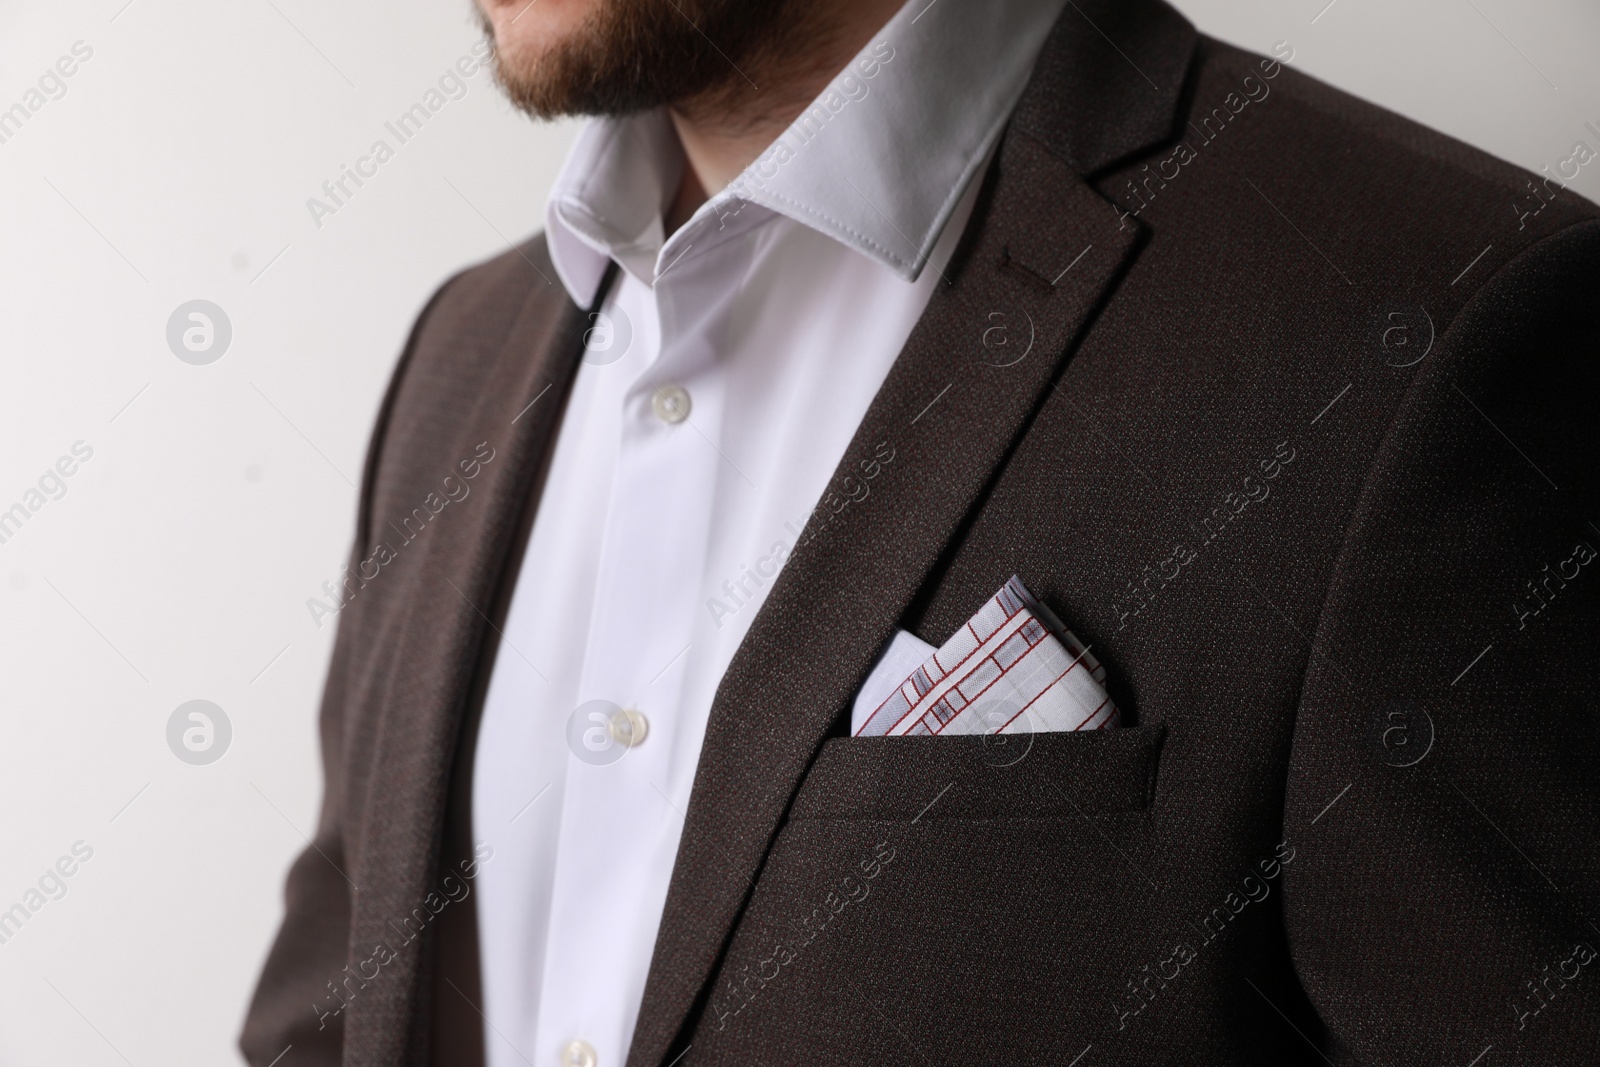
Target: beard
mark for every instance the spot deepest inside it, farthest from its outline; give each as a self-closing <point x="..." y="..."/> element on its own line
<point x="697" y="56"/>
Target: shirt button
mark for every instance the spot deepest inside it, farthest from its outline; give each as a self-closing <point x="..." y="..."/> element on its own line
<point x="670" y="403"/>
<point x="629" y="727"/>
<point x="578" y="1054"/>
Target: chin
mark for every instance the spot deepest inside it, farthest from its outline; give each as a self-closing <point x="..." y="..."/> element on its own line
<point x="525" y="31"/>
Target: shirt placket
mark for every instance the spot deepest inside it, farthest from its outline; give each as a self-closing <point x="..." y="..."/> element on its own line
<point x="619" y="824"/>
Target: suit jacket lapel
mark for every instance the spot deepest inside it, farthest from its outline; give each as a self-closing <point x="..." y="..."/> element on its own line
<point x="971" y="374"/>
<point x="1041" y="253"/>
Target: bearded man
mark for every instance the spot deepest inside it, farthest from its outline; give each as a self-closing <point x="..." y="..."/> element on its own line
<point x="1004" y="531"/>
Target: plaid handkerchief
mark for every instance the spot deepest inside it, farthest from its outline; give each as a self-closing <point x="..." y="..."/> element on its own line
<point x="1013" y="668"/>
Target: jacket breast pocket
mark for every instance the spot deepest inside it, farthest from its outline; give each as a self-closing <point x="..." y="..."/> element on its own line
<point x="966" y="888"/>
<point x="1038" y="775"/>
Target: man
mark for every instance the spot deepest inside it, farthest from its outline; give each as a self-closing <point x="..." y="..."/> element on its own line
<point x="846" y="314"/>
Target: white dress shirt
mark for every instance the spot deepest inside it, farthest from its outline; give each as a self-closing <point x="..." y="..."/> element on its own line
<point x="729" y="368"/>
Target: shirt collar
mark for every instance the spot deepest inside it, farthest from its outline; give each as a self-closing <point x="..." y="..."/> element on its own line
<point x="878" y="161"/>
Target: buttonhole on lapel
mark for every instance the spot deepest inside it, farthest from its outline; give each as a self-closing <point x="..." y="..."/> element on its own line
<point x="1153" y="771"/>
<point x="1009" y="262"/>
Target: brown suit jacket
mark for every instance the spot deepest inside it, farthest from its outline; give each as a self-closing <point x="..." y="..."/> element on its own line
<point x="1302" y="441"/>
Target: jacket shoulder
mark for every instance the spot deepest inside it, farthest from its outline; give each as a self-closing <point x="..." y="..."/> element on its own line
<point x="480" y="303"/>
<point x="457" y="346"/>
<point x="1403" y="150"/>
<point x="471" y="343"/>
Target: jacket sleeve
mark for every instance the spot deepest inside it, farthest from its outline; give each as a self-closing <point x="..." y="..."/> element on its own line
<point x="295" y="988"/>
<point x="294" y="1008"/>
<point x="1443" y="796"/>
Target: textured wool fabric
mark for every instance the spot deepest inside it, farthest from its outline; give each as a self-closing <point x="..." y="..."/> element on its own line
<point x="1302" y="445"/>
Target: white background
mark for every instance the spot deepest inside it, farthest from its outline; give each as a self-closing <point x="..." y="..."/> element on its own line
<point x="178" y="564"/>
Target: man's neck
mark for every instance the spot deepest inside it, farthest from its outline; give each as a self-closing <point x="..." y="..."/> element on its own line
<point x="725" y="131"/>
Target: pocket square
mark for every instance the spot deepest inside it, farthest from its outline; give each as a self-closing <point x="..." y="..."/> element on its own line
<point x="1013" y="668"/>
